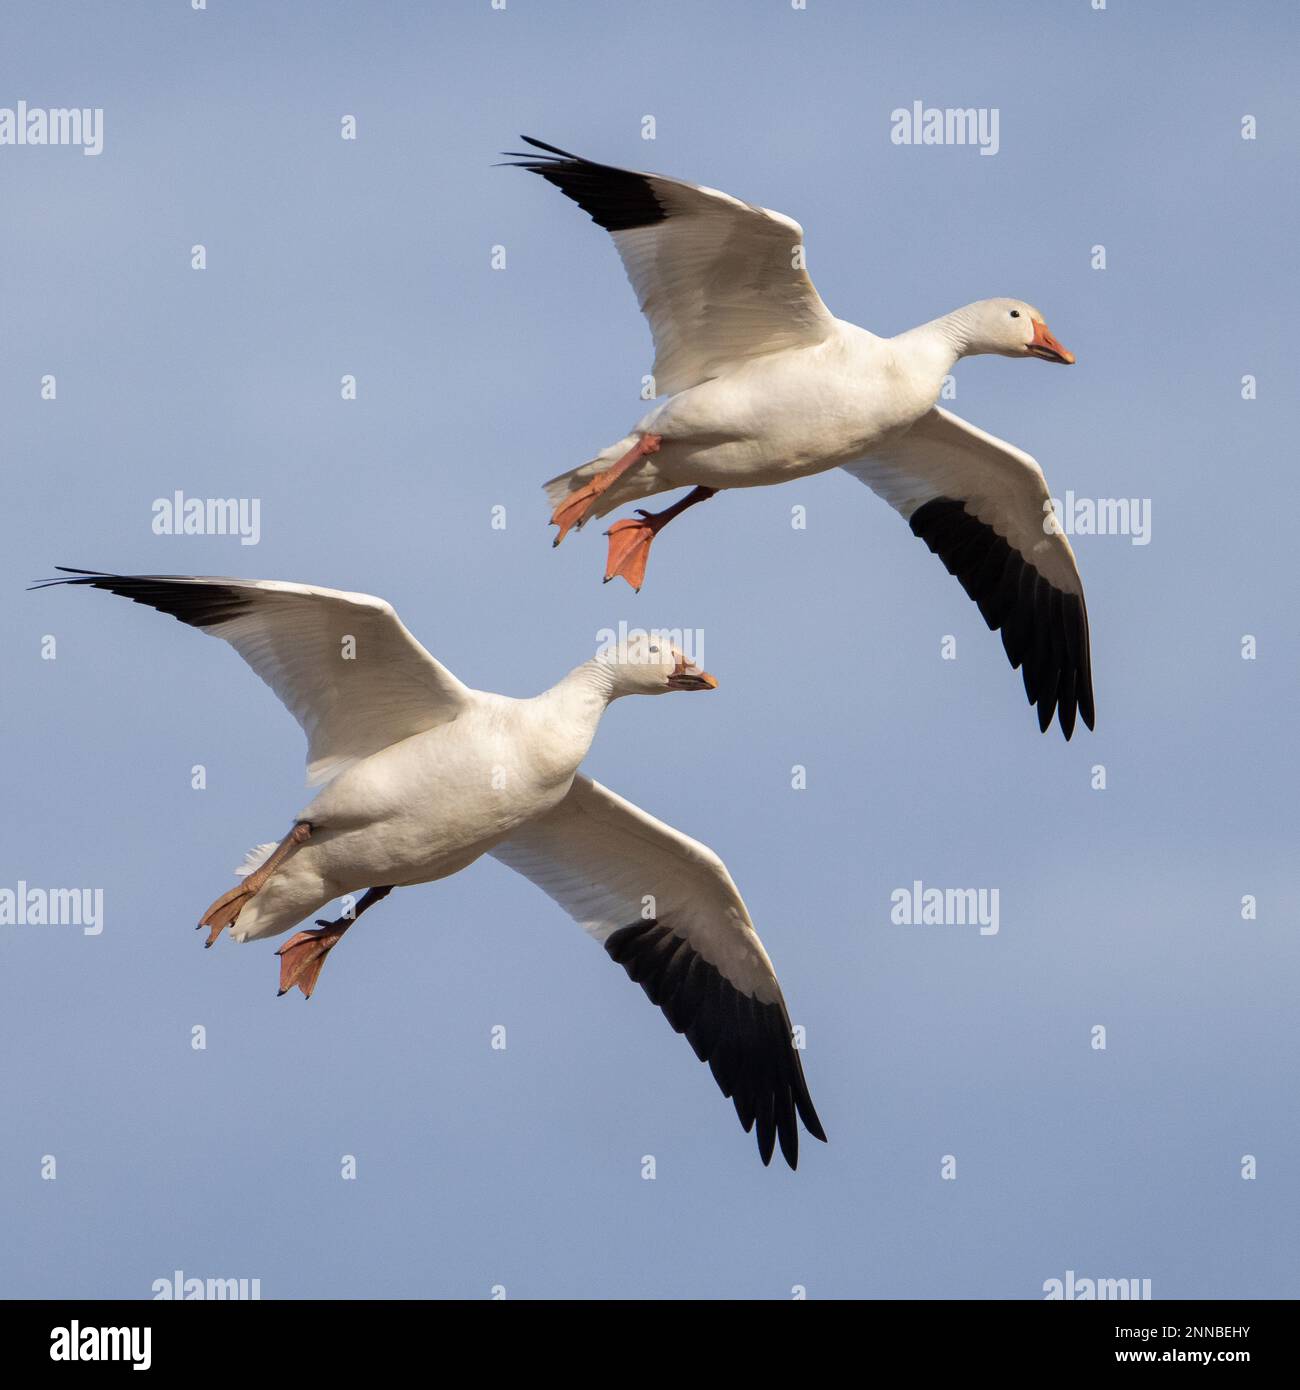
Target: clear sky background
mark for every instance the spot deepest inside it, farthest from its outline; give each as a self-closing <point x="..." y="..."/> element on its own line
<point x="522" y="1168"/>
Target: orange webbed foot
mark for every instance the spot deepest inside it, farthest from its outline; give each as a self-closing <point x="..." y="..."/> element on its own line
<point x="224" y="911"/>
<point x="630" y="540"/>
<point x="573" y="511"/>
<point x="302" y="957"/>
<point x="576" y="508"/>
<point x="629" y="548"/>
<point x="229" y="905"/>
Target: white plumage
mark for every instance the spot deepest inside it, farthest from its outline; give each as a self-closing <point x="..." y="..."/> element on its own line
<point x="765" y="385"/>
<point x="424" y="775"/>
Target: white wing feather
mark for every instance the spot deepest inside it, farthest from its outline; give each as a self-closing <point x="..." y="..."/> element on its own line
<point x="609" y="864"/>
<point x="342" y="664"/>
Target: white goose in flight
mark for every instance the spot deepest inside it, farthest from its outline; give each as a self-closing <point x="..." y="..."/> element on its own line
<point x="423" y="775"/>
<point x="765" y="385"/>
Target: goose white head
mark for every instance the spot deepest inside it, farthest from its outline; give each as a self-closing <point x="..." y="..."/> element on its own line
<point x="1011" y="328"/>
<point x="649" y="664"/>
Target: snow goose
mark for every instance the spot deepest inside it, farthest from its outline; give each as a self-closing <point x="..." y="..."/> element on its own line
<point x="423" y="775"/>
<point x="765" y="385"/>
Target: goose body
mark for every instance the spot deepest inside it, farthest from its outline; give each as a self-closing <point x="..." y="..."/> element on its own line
<point x="429" y="806"/>
<point x="788" y="415"/>
<point x="763" y="385"/>
<point x="423" y="775"/>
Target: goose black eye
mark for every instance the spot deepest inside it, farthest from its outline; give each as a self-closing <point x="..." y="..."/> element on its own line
<point x="1015" y="313"/>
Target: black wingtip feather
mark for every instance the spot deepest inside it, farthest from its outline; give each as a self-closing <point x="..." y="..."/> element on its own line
<point x="766" y="1120"/>
<point x="184" y="597"/>
<point x="787" y="1132"/>
<point x="747" y="1044"/>
<point x="1044" y="630"/>
<point x="82" y="577"/>
<point x="550" y="149"/>
<point x="615" y="199"/>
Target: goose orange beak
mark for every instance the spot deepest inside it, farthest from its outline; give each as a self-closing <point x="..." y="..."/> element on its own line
<point x="1043" y="345"/>
<point x="688" y="676"/>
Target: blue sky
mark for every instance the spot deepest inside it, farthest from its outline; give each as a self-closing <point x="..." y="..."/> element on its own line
<point x="522" y="1169"/>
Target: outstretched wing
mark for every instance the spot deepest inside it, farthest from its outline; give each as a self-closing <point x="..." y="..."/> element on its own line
<point x="982" y="506"/>
<point x="719" y="280"/>
<point x="342" y="664"/>
<point x="696" y="955"/>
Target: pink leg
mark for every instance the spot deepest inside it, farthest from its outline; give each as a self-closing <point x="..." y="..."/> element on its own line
<point x="630" y="540"/>
<point x="574" y="510"/>
<point x="302" y="957"/>
<point x="229" y="905"/>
